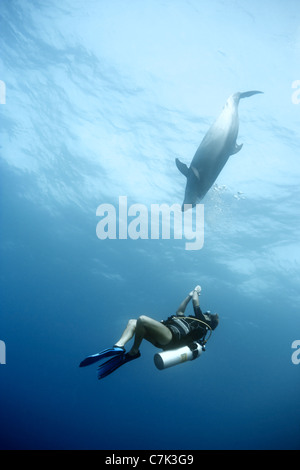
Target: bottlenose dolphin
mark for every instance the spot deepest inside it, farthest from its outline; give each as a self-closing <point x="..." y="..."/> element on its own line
<point x="213" y="152"/>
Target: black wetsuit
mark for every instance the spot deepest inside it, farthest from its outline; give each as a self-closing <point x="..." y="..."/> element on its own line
<point x="185" y="329"/>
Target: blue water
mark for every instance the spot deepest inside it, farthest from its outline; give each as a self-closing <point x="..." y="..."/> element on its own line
<point x="99" y="99"/>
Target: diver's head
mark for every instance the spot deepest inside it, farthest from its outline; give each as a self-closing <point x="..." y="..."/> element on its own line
<point x="213" y="319"/>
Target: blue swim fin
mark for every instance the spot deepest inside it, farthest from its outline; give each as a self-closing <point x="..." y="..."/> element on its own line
<point x="114" y="363"/>
<point x="114" y="351"/>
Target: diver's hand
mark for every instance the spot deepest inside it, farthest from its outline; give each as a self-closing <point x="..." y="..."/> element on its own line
<point x="196" y="289"/>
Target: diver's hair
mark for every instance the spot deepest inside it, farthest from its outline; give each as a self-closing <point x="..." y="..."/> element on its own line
<point x="214" y="320"/>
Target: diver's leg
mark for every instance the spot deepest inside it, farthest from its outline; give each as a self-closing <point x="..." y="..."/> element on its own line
<point x="127" y="334"/>
<point x="151" y="330"/>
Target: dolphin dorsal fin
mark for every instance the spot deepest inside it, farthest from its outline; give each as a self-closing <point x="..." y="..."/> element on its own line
<point x="182" y="167"/>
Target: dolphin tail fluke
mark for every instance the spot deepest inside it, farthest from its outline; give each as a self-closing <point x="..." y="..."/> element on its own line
<point x="246" y="94"/>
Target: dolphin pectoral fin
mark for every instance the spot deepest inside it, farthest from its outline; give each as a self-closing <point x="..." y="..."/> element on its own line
<point x="182" y="167"/>
<point x="237" y="148"/>
<point x="196" y="172"/>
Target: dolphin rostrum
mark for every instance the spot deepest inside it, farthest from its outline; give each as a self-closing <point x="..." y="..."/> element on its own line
<point x="213" y="152"/>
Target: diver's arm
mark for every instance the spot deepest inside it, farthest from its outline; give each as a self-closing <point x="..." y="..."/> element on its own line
<point x="195" y="297"/>
<point x="197" y="309"/>
<point x="193" y="294"/>
<point x="181" y="309"/>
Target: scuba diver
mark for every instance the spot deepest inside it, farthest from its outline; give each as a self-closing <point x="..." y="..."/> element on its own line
<point x="175" y="332"/>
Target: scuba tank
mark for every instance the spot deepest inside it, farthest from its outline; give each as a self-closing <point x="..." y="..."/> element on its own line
<point x="172" y="357"/>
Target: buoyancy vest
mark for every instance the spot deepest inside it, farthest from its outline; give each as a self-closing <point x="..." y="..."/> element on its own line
<point x="185" y="330"/>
